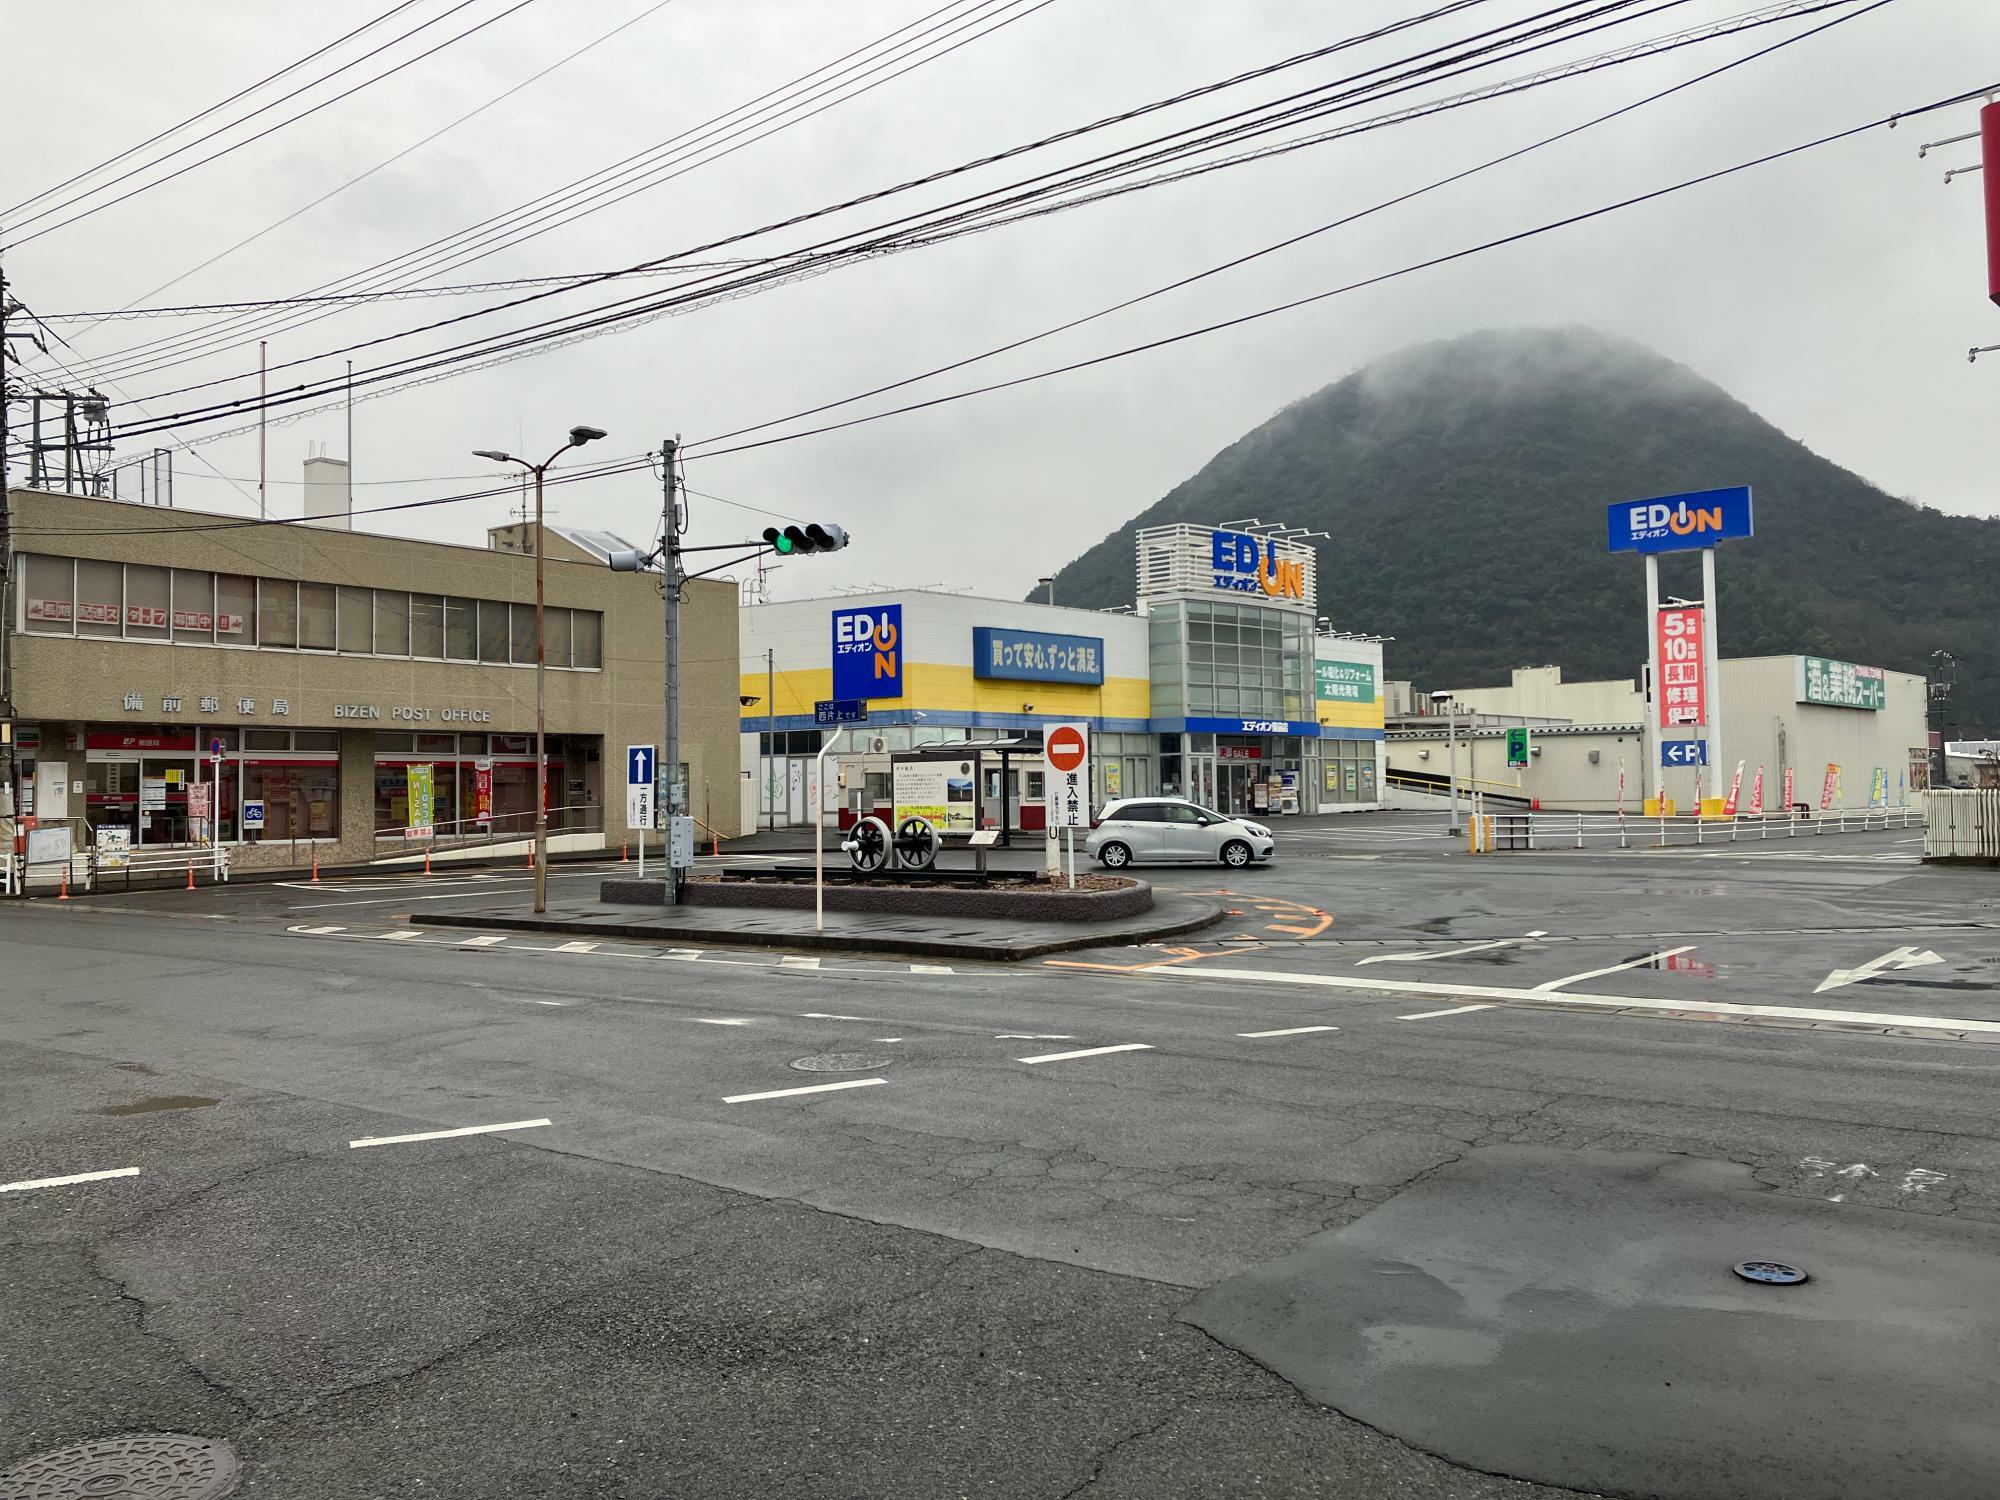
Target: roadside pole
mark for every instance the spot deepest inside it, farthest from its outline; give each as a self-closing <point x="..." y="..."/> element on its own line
<point x="1711" y="643"/>
<point x="670" y="563"/>
<point x="817" y="799"/>
<point x="1654" y="772"/>
<point x="1451" y="742"/>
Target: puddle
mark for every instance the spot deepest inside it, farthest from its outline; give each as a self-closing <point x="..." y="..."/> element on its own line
<point x="161" y="1102"/>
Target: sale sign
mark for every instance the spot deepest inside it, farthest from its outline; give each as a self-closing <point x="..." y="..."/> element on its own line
<point x="1683" y="685"/>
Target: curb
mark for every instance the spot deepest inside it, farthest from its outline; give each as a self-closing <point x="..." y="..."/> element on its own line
<point x="1207" y="915"/>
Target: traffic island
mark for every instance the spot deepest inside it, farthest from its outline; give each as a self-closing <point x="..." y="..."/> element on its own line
<point x="1087" y="919"/>
<point x="1095" y="898"/>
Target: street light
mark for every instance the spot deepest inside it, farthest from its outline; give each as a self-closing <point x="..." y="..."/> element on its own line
<point x="1443" y="697"/>
<point x="578" y="436"/>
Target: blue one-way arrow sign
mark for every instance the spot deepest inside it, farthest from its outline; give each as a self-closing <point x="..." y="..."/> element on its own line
<point x="1683" y="752"/>
<point x="639" y="760"/>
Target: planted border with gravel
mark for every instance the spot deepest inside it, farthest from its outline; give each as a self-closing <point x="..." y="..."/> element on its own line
<point x="1113" y="897"/>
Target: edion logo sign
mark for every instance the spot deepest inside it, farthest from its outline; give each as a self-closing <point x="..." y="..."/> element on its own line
<point x="1675" y="523"/>
<point x="1251" y="564"/>
<point x="868" y="652"/>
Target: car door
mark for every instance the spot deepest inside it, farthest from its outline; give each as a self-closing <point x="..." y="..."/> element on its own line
<point x="1189" y="838"/>
<point x="1143" y="828"/>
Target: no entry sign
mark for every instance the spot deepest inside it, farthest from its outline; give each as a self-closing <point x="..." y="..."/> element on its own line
<point x="1066" y="747"/>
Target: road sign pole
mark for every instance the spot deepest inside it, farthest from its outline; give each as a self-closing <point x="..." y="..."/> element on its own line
<point x="1656" y="696"/>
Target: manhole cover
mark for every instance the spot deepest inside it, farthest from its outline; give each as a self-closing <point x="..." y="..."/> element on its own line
<point x="144" y="1466"/>
<point x="829" y="1062"/>
<point x="1772" y="1272"/>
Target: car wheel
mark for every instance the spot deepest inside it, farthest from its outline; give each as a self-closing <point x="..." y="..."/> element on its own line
<point x="1236" y="854"/>
<point x="1114" y="856"/>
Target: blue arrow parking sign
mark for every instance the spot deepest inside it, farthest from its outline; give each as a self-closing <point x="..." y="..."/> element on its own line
<point x="1683" y="752"/>
<point x="639" y="761"/>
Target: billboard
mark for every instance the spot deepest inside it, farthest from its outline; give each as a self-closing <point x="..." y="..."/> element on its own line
<point x="1838" y="684"/>
<point x="939" y="790"/>
<point x="1036" y="656"/>
<point x="868" y="652"/>
<point x="1252" y="564"/>
<point x="1679" y="523"/>
<point x="1345" y="681"/>
<point x="1683" y="668"/>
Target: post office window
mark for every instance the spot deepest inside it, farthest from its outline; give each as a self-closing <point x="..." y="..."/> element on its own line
<point x="555" y="633"/>
<point x="357" y="620"/>
<point x="48" y="585"/>
<point x="277" y="612"/>
<point x="494" y="633"/>
<point x="316" y="606"/>
<point x="235" y="608"/>
<point x="461" y="629"/>
<point x="147" y="603"/>
<point x="392" y="623"/>
<point x="521" y="634"/>
<point x="316" y="739"/>
<point x="194" y="606"/>
<point x="587" y="648"/>
<point x="426" y="625"/>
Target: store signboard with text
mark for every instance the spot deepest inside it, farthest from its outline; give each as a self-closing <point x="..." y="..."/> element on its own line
<point x="940" y="790"/>
<point x="1680" y="523"/>
<point x="1066" y="749"/>
<point x="1683" y="685"/>
<point x="1839" y="684"/>
<point x="1036" y="656"/>
<point x="868" y="652"/>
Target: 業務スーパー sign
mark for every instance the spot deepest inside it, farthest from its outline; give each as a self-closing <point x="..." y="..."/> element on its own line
<point x="1683" y="686"/>
<point x="868" y="652"/>
<point x="1679" y="523"/>
<point x="1839" y="684"/>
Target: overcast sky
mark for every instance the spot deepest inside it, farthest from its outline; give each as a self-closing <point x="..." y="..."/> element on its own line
<point x="1834" y="293"/>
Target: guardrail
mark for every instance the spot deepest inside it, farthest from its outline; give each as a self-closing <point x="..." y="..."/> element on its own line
<point x="503" y="828"/>
<point x="1496" y="831"/>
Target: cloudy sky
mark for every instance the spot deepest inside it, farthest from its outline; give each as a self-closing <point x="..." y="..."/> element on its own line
<point x="1836" y="293"/>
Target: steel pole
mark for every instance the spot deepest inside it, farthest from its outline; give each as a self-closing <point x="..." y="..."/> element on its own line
<point x="541" y="717"/>
<point x="1451" y="751"/>
<point x="1652" y="771"/>
<point x="1711" y="642"/>
<point x="670" y="556"/>
<point x="771" y="733"/>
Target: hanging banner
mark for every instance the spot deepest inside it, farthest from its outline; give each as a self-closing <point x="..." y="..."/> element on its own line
<point x="1831" y="788"/>
<point x="1789" y="800"/>
<point x="1683" y="687"/>
<point x="422" y="781"/>
<point x="1735" y="787"/>
<point x="1878" y="791"/>
<point x="1757" y="792"/>
<point x="482" y="790"/>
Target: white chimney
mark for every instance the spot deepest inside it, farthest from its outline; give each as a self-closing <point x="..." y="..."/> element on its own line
<point x="329" y="497"/>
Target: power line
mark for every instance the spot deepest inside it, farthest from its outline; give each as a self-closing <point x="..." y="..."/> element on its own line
<point x="290" y="67"/>
<point x="145" y="187"/>
<point x="609" y="313"/>
<point x="401" y="265"/>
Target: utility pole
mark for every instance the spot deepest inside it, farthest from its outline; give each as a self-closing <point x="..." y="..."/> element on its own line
<point x="263" y="418"/>
<point x="771" y="732"/>
<point x="670" y="585"/>
<point x="9" y="795"/>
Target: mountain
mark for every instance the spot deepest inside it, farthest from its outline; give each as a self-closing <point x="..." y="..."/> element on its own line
<point x="1464" y="486"/>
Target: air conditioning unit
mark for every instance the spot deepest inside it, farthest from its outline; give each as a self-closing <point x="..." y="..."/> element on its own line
<point x="878" y="745"/>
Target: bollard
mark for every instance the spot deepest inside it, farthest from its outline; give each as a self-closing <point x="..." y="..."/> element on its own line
<point x="315" y="856"/>
<point x="64" y="894"/>
<point x="190" y="872"/>
<point x="427" y="859"/>
<point x="625" y="850"/>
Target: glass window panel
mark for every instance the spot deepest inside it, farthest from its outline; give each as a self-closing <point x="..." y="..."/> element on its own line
<point x="50" y="584"/>
<point x="522" y="634"/>
<point x="555" y="628"/>
<point x="392" y="742"/>
<point x="316" y="616"/>
<point x="267" y="739"/>
<point x="194" y="605"/>
<point x="147" y="609"/>
<point x="588" y="647"/>
<point x="316" y="739"/>
<point x="392" y="623"/>
<point x="277" y="612"/>
<point x="235" y="606"/>
<point x="437" y="744"/>
<point x="426" y="625"/>
<point x="493" y="632"/>
<point x="357" y="620"/>
<point x="461" y="629"/>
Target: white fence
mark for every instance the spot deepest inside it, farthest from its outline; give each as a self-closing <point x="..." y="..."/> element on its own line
<point x="1964" y="825"/>
<point x="1493" y="831"/>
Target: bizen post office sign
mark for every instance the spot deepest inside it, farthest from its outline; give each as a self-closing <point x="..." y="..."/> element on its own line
<point x="868" y="652"/>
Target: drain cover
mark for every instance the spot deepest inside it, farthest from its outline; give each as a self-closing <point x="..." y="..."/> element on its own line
<point x="829" y="1062"/>
<point x="142" y="1466"/>
<point x="1771" y="1272"/>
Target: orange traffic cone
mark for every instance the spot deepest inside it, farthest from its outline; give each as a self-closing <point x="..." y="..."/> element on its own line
<point x="64" y="894"/>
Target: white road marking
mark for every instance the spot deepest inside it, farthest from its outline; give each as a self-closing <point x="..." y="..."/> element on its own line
<point x="1630" y="963"/>
<point x="1456" y="1010"/>
<point x="1917" y="1179"/>
<point x="798" y="961"/>
<point x="1088" y="1052"/>
<point x="820" y="1015"/>
<point x="315" y="931"/>
<point x="812" y="1088"/>
<point x="401" y="934"/>
<point x="1034" y="1036"/>
<point x="31" y="1183"/>
<point x="717" y="1021"/>
<point x="888" y="1039"/>
<point x="574" y="948"/>
<point x="1418" y="957"/>
<point x="526" y="1000"/>
<point x="488" y="941"/>
<point x="1566" y="998"/>
<point x="932" y="969"/>
<point x="682" y="953"/>
<point x="1895" y="958"/>
<point x="439" y="1135"/>
<point x="1289" y="1031"/>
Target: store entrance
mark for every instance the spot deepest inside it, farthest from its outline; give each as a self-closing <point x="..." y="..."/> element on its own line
<point x="1233" y="786"/>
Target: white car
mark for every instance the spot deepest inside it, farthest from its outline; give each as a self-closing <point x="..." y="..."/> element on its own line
<point x="1133" y="830"/>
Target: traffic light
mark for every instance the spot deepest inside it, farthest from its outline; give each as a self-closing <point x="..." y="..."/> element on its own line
<point x="802" y="541"/>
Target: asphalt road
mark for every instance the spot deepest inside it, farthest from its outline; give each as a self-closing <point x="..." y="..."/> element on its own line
<point x="970" y="1270"/>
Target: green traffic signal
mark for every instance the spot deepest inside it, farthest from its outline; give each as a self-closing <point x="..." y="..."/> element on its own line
<point x="804" y="540"/>
<point x="777" y="541"/>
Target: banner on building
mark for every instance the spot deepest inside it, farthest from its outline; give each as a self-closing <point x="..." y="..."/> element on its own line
<point x="482" y="790"/>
